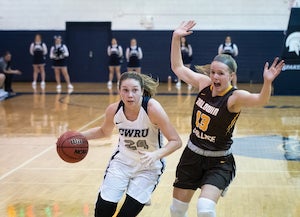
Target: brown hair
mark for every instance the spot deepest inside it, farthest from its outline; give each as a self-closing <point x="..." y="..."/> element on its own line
<point x="148" y="84"/>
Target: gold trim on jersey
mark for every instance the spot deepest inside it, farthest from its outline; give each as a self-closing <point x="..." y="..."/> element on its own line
<point x="224" y="92"/>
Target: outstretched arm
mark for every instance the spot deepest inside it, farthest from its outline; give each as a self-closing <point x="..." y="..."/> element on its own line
<point x="13" y="71"/>
<point x="242" y="98"/>
<point x="182" y="72"/>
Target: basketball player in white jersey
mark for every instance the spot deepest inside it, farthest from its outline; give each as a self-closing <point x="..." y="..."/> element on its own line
<point x="137" y="163"/>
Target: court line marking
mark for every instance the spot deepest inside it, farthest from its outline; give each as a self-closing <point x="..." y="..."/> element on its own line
<point x="25" y="163"/>
<point x="43" y="152"/>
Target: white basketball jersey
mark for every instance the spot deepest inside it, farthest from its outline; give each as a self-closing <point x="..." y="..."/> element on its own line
<point x="136" y="135"/>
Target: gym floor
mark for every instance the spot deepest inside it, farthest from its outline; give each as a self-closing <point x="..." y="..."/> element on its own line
<point x="35" y="182"/>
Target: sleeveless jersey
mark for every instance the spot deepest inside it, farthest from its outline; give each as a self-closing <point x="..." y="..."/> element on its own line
<point x="59" y="55"/>
<point x="228" y="49"/>
<point x="115" y="55"/>
<point x="140" y="134"/>
<point x="134" y="60"/>
<point x="212" y="123"/>
<point x="38" y="53"/>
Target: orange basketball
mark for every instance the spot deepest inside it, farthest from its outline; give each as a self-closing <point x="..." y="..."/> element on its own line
<point x="72" y="146"/>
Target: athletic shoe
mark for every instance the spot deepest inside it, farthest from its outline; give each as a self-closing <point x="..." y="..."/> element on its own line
<point x="58" y="88"/>
<point x="43" y="84"/>
<point x="70" y="90"/>
<point x="33" y="85"/>
<point x="178" y="84"/>
<point x="11" y="93"/>
<point x="3" y="94"/>
<point x="189" y="87"/>
<point x="109" y="84"/>
<point x="70" y="86"/>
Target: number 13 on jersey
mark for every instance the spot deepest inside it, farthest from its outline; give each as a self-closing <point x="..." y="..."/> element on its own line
<point x="202" y="121"/>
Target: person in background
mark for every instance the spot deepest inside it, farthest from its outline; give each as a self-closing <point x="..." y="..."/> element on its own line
<point x="59" y="54"/>
<point x="207" y="161"/>
<point x="115" y="53"/>
<point x="38" y="50"/>
<point x="187" y="56"/>
<point x="3" y="94"/>
<point x="231" y="49"/>
<point x="134" y="55"/>
<point x="138" y="162"/>
<point x="8" y="73"/>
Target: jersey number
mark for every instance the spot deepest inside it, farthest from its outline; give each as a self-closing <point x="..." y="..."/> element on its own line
<point x="133" y="146"/>
<point x="202" y="121"/>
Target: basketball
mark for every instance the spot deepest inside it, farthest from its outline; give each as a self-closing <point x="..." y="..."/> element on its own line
<point x="72" y="146"/>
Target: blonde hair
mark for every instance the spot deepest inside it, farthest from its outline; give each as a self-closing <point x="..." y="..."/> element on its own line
<point x="148" y="84"/>
<point x="227" y="60"/>
<point x="203" y="69"/>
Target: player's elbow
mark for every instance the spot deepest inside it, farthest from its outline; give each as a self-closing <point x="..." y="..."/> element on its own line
<point x="178" y="143"/>
<point x="103" y="133"/>
<point x="176" y="68"/>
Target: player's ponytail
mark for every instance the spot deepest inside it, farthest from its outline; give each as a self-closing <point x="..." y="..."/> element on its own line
<point x="150" y="85"/>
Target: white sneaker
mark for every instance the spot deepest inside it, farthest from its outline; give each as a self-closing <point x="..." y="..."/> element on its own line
<point x="189" y="87"/>
<point x="3" y="94"/>
<point x="70" y="90"/>
<point x="43" y="84"/>
<point x="178" y="84"/>
<point x="58" y="88"/>
<point x="33" y="85"/>
<point x="70" y="86"/>
<point x="109" y="84"/>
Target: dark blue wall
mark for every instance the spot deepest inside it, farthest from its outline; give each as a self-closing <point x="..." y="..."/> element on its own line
<point x="18" y="43"/>
<point x="255" y="47"/>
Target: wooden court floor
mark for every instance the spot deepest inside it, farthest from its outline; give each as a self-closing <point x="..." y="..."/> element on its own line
<point x="35" y="182"/>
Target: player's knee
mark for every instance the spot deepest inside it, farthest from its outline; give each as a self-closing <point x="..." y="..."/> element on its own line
<point x="206" y="208"/>
<point x="104" y="208"/>
<point x="178" y="208"/>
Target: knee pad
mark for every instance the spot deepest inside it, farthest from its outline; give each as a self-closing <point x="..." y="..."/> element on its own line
<point x="104" y="208"/>
<point x="206" y="208"/>
<point x="178" y="208"/>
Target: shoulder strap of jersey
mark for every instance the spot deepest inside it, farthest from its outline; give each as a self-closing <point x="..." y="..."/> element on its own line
<point x="145" y="103"/>
<point x="121" y="103"/>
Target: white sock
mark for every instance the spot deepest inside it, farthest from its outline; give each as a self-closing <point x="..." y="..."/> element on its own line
<point x="179" y="208"/>
<point x="206" y="207"/>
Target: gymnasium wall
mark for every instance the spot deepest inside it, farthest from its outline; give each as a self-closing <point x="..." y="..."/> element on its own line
<point x="255" y="26"/>
<point x="141" y="14"/>
<point x="255" y="48"/>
